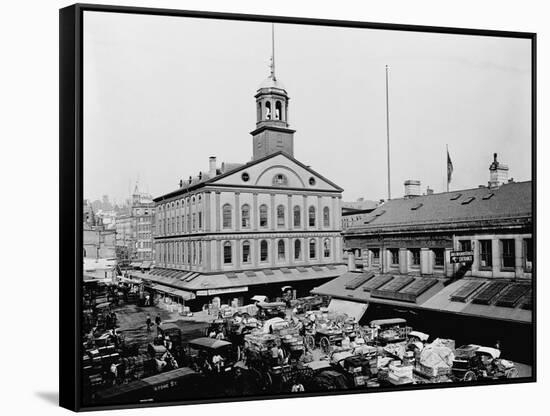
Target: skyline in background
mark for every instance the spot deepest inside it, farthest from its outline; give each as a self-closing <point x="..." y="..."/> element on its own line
<point x="162" y="94"/>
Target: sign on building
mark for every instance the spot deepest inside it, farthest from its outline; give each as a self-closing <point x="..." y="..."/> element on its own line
<point x="462" y="256"/>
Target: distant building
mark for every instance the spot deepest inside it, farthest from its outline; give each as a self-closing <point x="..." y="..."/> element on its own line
<point x="134" y="229"/>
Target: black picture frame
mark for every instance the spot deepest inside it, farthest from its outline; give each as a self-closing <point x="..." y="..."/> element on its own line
<point x="71" y="189"/>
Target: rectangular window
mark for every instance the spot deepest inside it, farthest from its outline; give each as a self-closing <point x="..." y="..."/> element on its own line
<point x="375" y="256"/>
<point x="394" y="253"/>
<point x="439" y="257"/>
<point x="465" y="245"/>
<point x="508" y="253"/>
<point x="246" y="253"/>
<point x="415" y="254"/>
<point x="485" y="253"/>
<point x="200" y="220"/>
<point x="528" y="254"/>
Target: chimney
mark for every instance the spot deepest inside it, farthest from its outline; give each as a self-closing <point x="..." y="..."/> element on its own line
<point x="498" y="173"/>
<point x="212" y="166"/>
<point x="412" y="188"/>
<point x="429" y="191"/>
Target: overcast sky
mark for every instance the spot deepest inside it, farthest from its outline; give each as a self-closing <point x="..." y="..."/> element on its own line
<point x="162" y="94"/>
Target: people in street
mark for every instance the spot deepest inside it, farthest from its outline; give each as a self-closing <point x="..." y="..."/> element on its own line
<point x="147" y="300"/>
<point x="149" y="323"/>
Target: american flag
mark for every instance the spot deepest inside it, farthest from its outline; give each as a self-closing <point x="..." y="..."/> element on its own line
<point x="449" y="168"/>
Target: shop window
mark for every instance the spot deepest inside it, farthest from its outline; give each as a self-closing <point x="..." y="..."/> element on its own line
<point x="394" y="254"/>
<point x="439" y="257"/>
<point x="465" y="245"/>
<point x="508" y="253"/>
<point x="375" y="255"/>
<point x="415" y="256"/>
<point x="485" y="253"/>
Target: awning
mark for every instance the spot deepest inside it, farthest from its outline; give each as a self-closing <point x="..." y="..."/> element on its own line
<point x="173" y="292"/>
<point x="351" y="309"/>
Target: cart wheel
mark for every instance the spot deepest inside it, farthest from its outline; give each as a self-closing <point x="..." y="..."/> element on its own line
<point x="309" y="341"/>
<point x="512" y="373"/>
<point x="325" y="345"/>
<point x="470" y="376"/>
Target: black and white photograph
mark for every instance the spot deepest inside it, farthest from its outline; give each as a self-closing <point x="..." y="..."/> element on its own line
<point x="275" y="208"/>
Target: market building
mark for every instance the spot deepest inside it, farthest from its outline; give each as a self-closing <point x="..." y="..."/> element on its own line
<point x="446" y="258"/>
<point x="237" y="230"/>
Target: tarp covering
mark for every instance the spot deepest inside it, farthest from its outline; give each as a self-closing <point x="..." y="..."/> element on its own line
<point x="351" y="309"/>
<point x="436" y="355"/>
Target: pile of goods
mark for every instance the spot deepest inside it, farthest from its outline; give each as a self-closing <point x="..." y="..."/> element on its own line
<point x="399" y="374"/>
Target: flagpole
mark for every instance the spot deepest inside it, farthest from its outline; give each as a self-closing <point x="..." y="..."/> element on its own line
<point x="388" y="132"/>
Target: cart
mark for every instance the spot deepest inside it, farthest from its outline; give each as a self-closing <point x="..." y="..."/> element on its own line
<point x="325" y="338"/>
<point x="481" y="363"/>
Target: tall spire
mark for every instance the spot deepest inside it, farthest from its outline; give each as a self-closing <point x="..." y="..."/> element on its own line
<point x="272" y="66"/>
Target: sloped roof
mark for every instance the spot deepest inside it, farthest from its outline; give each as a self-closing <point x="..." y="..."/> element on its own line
<point x="511" y="200"/>
<point x="205" y="179"/>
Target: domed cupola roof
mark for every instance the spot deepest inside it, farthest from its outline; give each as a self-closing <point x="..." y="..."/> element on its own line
<point x="272" y="82"/>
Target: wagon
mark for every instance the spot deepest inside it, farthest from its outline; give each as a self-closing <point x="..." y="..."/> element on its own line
<point x="474" y="362"/>
<point x="391" y="330"/>
<point x="268" y="310"/>
<point x="325" y="338"/>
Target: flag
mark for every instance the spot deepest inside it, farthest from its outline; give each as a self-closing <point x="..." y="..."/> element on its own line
<point x="449" y="168"/>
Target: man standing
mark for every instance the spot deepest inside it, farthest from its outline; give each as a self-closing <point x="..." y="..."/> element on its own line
<point x="149" y="323"/>
<point x="158" y="320"/>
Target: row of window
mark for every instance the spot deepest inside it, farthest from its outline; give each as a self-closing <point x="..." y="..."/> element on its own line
<point x="181" y="253"/>
<point x="181" y="224"/>
<point x="281" y="250"/>
<point x="263" y="215"/>
<point x="484" y="253"/>
<point x="507" y="252"/>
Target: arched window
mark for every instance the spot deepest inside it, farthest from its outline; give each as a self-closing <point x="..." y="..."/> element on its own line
<point x="263" y="250"/>
<point x="281" y="250"/>
<point x="268" y="110"/>
<point x="297" y="216"/>
<point x="326" y="247"/>
<point x="326" y="217"/>
<point x="278" y="110"/>
<point x="312" y="216"/>
<point x="259" y="114"/>
<point x="226" y="216"/>
<point x="227" y="252"/>
<point x="263" y="215"/>
<point x="245" y="216"/>
<point x="312" y="249"/>
<point x="280" y="216"/>
<point x="297" y="249"/>
<point x="246" y="252"/>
